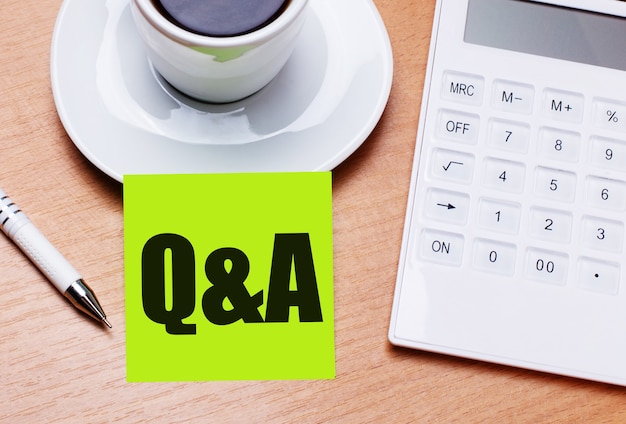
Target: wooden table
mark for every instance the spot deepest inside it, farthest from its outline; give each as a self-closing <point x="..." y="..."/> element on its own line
<point x="58" y="366"/>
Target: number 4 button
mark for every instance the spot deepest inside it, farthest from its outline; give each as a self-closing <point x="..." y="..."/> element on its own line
<point x="504" y="175"/>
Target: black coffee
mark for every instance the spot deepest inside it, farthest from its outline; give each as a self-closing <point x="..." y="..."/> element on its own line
<point x="221" y="18"/>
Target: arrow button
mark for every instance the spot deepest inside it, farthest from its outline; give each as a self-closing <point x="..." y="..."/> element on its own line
<point x="447" y="206"/>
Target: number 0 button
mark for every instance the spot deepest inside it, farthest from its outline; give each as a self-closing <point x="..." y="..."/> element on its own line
<point x="494" y="256"/>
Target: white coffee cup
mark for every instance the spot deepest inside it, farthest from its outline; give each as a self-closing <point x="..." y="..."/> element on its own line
<point x="218" y="69"/>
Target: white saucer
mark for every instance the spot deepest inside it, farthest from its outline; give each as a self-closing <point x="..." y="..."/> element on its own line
<point x="126" y="120"/>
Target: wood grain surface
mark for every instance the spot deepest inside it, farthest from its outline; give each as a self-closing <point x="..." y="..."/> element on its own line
<point x="57" y="366"/>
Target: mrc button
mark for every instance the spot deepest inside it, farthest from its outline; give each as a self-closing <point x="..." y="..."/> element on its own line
<point x="464" y="88"/>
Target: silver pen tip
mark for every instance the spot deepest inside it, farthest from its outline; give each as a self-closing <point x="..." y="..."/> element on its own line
<point x="107" y="322"/>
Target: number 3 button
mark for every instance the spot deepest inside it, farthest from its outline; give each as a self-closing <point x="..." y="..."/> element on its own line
<point x="602" y="234"/>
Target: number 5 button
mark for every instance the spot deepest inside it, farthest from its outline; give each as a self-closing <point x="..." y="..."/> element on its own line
<point x="555" y="184"/>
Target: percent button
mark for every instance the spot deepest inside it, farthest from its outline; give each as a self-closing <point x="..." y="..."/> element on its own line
<point x="609" y="114"/>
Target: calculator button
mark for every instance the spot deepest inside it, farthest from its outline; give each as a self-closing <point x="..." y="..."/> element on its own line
<point x="464" y="88"/>
<point x="499" y="216"/>
<point x="513" y="96"/>
<point x="559" y="144"/>
<point x="555" y="184"/>
<point x="494" y="256"/>
<point x="504" y="175"/>
<point x="563" y="105"/>
<point x="546" y="266"/>
<point x="454" y="166"/>
<point x="550" y="225"/>
<point x="608" y="153"/>
<point x="448" y="206"/>
<point x="458" y="126"/>
<point x="442" y="247"/>
<point x="602" y="234"/>
<point x="598" y="276"/>
<point x="609" y="114"/>
<point x="606" y="193"/>
<point x="507" y="135"/>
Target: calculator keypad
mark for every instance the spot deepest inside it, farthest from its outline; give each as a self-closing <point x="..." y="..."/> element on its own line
<point x="532" y="200"/>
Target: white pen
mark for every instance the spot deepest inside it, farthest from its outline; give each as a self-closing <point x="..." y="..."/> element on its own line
<point x="16" y="225"/>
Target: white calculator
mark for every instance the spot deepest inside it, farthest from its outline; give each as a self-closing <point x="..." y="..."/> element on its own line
<point x="514" y="246"/>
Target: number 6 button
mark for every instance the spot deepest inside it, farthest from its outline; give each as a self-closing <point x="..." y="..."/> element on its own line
<point x="606" y="193"/>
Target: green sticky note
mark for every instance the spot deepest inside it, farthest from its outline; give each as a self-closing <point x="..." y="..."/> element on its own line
<point x="229" y="277"/>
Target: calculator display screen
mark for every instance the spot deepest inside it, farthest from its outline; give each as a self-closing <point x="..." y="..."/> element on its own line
<point x="547" y="30"/>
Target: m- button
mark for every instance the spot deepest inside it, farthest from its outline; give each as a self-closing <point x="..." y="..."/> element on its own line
<point x="513" y="97"/>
